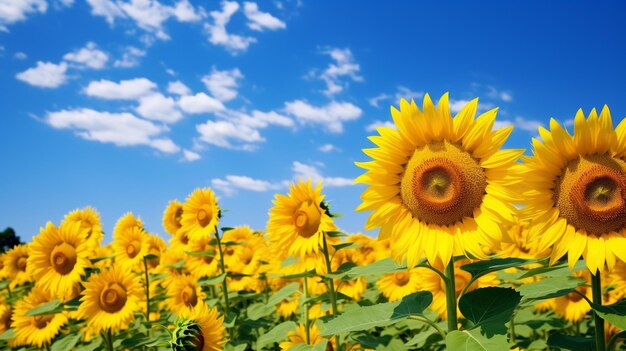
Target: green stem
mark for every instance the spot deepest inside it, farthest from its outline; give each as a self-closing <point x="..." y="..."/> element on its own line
<point x="108" y="340"/>
<point x="596" y="291"/>
<point x="145" y="266"/>
<point x="451" y="296"/>
<point x="306" y="311"/>
<point x="512" y="328"/>
<point x="9" y="289"/>
<point x="431" y="323"/>
<point x="223" y="267"/>
<point x="331" y="285"/>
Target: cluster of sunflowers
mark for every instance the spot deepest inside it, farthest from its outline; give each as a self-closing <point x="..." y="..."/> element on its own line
<point x="467" y="230"/>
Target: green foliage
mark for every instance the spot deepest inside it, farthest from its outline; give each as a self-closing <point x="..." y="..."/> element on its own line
<point x="571" y="342"/>
<point x="473" y="340"/>
<point x="490" y="308"/>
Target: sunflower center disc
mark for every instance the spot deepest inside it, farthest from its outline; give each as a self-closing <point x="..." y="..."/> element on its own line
<point x="112" y="298"/>
<point x="203" y="217"/>
<point x="189" y="296"/>
<point x="21" y="263"/>
<point x="307" y="219"/>
<point x="442" y="184"/>
<point x="208" y="259"/>
<point x="591" y="194"/>
<point x="42" y="321"/>
<point x="402" y="278"/>
<point x="132" y="249"/>
<point x="178" y="215"/>
<point x="63" y="258"/>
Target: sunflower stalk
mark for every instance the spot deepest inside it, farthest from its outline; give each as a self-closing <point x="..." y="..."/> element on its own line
<point x="451" y="296"/>
<point x="223" y="268"/>
<point x="331" y="285"/>
<point x="306" y="311"/>
<point x="596" y="291"/>
<point x="145" y="267"/>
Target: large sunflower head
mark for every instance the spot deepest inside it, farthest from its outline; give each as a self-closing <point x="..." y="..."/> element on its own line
<point x="58" y="257"/>
<point x="130" y="246"/>
<point x="200" y="329"/>
<point x="437" y="183"/>
<point x="172" y="216"/>
<point x="394" y="286"/>
<point x="89" y="219"/>
<point x="575" y="189"/>
<point x="36" y="330"/>
<point x="110" y="298"/>
<point x="184" y="294"/>
<point x="298" y="221"/>
<point x="15" y="264"/>
<point x="200" y="214"/>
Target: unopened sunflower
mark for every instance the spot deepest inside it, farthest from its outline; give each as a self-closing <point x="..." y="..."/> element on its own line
<point x="437" y="185"/>
<point x="36" y="330"/>
<point x="58" y="257"/>
<point x="575" y="187"/>
<point x="172" y="217"/>
<point x="298" y="222"/>
<point x="110" y="299"/>
<point x="200" y="214"/>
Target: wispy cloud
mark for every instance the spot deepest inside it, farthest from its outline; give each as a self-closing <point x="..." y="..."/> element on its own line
<point x="223" y="84"/>
<point x="17" y="11"/>
<point x="343" y="66"/>
<point x="259" y="20"/>
<point x="331" y="116"/>
<point x="218" y="35"/>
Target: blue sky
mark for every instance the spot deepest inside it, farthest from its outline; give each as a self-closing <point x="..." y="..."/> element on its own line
<point x="126" y="104"/>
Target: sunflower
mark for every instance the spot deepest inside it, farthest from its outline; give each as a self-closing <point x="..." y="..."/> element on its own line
<point x="110" y="298"/>
<point x="156" y="247"/>
<point x="395" y="286"/>
<point x="437" y="184"/>
<point x="573" y="307"/>
<point x="58" y="257"/>
<point x="130" y="246"/>
<point x="519" y="244"/>
<point x="126" y="222"/>
<point x="298" y="222"/>
<point x="200" y="214"/>
<point x="298" y="337"/>
<point x="184" y="294"/>
<point x="89" y="219"/>
<point x="368" y="250"/>
<point x="5" y="316"/>
<point x="15" y="264"/>
<point x="172" y="216"/>
<point x="617" y="279"/>
<point x="352" y="288"/>
<point x="575" y="187"/>
<point x="204" y="265"/>
<point x="36" y="330"/>
<point x="200" y="330"/>
<point x="288" y="306"/>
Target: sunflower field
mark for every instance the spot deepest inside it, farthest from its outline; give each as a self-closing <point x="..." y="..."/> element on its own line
<point x="478" y="248"/>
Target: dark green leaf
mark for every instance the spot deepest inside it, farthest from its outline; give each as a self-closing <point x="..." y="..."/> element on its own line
<point x="380" y="315"/>
<point x="177" y="265"/>
<point x="51" y="307"/>
<point x="336" y="234"/>
<point x="225" y="229"/>
<point x="98" y="259"/>
<point x="8" y="334"/>
<point x="377" y="268"/>
<point x="490" y="308"/>
<point x="218" y="279"/>
<point x="310" y="273"/>
<point x="614" y="314"/>
<point x="66" y="343"/>
<point x="209" y="253"/>
<point x="484" y="267"/>
<point x="150" y="257"/>
<point x="571" y="342"/>
<point x="346" y="246"/>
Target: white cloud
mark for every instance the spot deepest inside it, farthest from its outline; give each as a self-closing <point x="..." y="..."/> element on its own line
<point x="494" y="93"/>
<point x="457" y="105"/>
<point x="165" y="145"/>
<point x="20" y="56"/>
<point x="230" y="183"/>
<point x="327" y="148"/>
<point x="506" y="96"/>
<point x="344" y="66"/>
<point x="372" y="126"/>
<point x="159" y="108"/>
<point x="12" y="11"/>
<point x="148" y="15"/>
<point x="528" y="125"/>
<point x="190" y="156"/>
<point x="130" y="58"/>
<point x="402" y="92"/>
<point x="131" y="89"/>
<point x="121" y="129"/>
<point x="200" y="103"/>
<point x="223" y="84"/>
<point x="45" y="75"/>
<point x="499" y="123"/>
<point x="272" y="117"/>
<point x="331" y="116"/>
<point x="229" y="135"/>
<point x="308" y="171"/>
<point x="259" y="20"/>
<point x="88" y="57"/>
<point x="217" y="31"/>
<point x="107" y="9"/>
<point x="178" y="88"/>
